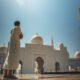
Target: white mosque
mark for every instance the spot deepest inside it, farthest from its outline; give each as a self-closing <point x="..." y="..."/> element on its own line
<point x="36" y="57"/>
<point x="49" y="59"/>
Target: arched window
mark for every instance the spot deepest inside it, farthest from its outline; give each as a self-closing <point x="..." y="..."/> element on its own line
<point x="57" y="66"/>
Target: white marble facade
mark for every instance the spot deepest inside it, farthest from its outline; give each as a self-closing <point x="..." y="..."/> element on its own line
<point x="48" y="53"/>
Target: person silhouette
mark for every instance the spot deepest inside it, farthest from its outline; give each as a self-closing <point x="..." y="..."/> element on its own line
<point x="12" y="59"/>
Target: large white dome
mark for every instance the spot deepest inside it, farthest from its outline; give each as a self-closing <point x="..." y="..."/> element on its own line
<point x="77" y="55"/>
<point x="37" y="39"/>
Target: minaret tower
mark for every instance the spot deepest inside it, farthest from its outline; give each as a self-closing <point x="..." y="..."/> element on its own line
<point x="52" y="42"/>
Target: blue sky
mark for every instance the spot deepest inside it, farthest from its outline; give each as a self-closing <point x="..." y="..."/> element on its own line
<point x="57" y="18"/>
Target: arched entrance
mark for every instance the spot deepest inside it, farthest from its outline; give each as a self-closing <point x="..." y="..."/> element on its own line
<point x="57" y="66"/>
<point x="39" y="62"/>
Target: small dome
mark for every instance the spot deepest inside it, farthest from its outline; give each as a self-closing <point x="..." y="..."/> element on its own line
<point x="77" y="55"/>
<point x="61" y="45"/>
<point x="37" y="39"/>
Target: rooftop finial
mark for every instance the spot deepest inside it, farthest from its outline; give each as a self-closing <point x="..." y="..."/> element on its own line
<point x="52" y="42"/>
<point x="37" y="33"/>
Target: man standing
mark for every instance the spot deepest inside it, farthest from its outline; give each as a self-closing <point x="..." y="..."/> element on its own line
<point x="12" y="59"/>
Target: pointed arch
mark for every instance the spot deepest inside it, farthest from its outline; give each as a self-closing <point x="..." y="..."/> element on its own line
<point x="57" y="66"/>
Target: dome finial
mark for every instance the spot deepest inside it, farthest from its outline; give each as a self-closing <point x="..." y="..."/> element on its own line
<point x="37" y="33"/>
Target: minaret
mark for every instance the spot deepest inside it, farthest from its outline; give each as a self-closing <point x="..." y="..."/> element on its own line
<point x="52" y="42"/>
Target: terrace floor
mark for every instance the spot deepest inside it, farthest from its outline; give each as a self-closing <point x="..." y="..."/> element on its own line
<point x="45" y="77"/>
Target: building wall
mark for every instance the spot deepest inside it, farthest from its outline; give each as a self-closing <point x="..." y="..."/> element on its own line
<point x="74" y="64"/>
<point x="3" y="53"/>
<point x="30" y="52"/>
<point x="48" y="54"/>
